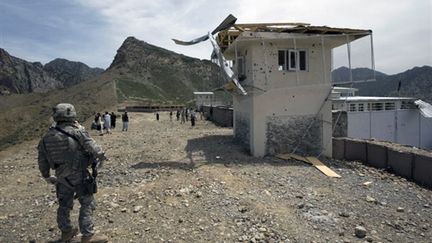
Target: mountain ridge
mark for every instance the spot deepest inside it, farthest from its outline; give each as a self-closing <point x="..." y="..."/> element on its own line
<point x="143" y="70"/>
<point x="20" y="76"/>
<point x="415" y="82"/>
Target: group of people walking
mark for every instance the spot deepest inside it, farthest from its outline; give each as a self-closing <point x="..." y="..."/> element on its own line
<point x="105" y="122"/>
<point x="182" y="115"/>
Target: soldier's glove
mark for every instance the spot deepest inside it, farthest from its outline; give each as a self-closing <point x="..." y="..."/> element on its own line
<point x="51" y="180"/>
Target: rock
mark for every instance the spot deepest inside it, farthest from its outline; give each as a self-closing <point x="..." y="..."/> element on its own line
<point x="370" y="199"/>
<point x="242" y="209"/>
<point x="301" y="205"/>
<point x="123" y="210"/>
<point x="344" y="214"/>
<point x="137" y="209"/>
<point x="369" y="239"/>
<point x="360" y="232"/>
<point x="400" y="209"/>
<point x="426" y="206"/>
<point x="367" y="183"/>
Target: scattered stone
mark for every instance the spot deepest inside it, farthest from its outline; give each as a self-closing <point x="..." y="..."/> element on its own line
<point x="242" y="209"/>
<point x="344" y="214"/>
<point x="137" y="209"/>
<point x="360" y="232"/>
<point x="370" y="199"/>
<point x="367" y="183"/>
<point x="369" y="239"/>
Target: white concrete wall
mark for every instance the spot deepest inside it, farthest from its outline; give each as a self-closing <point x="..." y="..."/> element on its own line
<point x="284" y="93"/>
<point x="401" y="126"/>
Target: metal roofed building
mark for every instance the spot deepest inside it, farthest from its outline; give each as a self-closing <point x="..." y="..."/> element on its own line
<point x="403" y="120"/>
<point x="285" y="69"/>
<point x="203" y="99"/>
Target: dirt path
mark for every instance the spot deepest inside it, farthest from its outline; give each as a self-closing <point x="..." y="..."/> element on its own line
<point x="169" y="182"/>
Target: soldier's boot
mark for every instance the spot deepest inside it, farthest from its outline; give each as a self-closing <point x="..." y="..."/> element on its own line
<point x="96" y="238"/>
<point x="68" y="236"/>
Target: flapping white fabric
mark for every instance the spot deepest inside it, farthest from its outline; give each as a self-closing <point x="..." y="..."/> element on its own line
<point x="425" y="108"/>
<point x="226" y="68"/>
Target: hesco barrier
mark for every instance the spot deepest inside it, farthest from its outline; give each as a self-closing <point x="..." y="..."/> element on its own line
<point x="151" y="108"/>
<point x="409" y="162"/>
<point x="220" y="115"/>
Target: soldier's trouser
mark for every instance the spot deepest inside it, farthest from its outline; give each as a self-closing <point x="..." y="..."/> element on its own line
<point x="65" y="197"/>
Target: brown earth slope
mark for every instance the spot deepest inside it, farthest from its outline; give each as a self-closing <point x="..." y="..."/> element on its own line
<point x="168" y="182"/>
<point x="24" y="116"/>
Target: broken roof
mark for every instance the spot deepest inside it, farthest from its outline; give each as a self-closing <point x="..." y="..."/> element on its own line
<point x="226" y="37"/>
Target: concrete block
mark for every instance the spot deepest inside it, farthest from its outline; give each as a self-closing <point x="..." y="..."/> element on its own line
<point x="422" y="172"/>
<point x="338" y="148"/>
<point x="377" y="155"/>
<point x="356" y="150"/>
<point x="400" y="162"/>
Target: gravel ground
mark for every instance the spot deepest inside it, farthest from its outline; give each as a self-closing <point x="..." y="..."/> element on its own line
<point x="169" y="182"/>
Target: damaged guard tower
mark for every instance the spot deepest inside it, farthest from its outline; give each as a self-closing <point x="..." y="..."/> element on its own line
<point x="281" y="82"/>
<point x="286" y="71"/>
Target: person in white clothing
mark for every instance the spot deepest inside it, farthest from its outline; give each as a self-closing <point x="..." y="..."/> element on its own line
<point x="107" y="122"/>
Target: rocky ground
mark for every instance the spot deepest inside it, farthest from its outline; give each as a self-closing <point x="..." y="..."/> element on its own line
<point x="169" y="182"/>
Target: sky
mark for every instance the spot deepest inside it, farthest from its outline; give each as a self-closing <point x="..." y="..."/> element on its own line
<point x="91" y="31"/>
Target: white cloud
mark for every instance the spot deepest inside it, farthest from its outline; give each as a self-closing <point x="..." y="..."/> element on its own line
<point x="402" y="29"/>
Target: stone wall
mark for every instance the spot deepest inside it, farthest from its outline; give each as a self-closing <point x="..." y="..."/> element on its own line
<point x="220" y="115"/>
<point x="242" y="130"/>
<point x="342" y="123"/>
<point x="285" y="133"/>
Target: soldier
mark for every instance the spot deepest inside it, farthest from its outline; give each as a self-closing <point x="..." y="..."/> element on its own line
<point x="69" y="150"/>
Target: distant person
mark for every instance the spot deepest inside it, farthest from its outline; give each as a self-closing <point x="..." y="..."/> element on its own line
<point x="211" y="113"/>
<point x="125" y="120"/>
<point x="98" y="120"/>
<point x="171" y="114"/>
<point x="178" y="115"/>
<point x="183" y="118"/>
<point x="192" y="117"/>
<point x="107" y="122"/>
<point x="187" y="114"/>
<point x="67" y="149"/>
<point x="113" y="120"/>
<point x="157" y="116"/>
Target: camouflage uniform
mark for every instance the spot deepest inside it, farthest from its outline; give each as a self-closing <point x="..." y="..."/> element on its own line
<point x="70" y="160"/>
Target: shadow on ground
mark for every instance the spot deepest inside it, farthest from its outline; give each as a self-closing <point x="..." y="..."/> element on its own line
<point x="215" y="149"/>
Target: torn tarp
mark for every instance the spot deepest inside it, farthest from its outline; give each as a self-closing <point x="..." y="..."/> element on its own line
<point x="225" y="66"/>
<point x="192" y="42"/>
<point x="227" y="23"/>
<point x="425" y="108"/>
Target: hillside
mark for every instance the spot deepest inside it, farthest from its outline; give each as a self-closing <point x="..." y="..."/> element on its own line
<point x="140" y="72"/>
<point x="19" y="76"/>
<point x="416" y="82"/>
<point x="26" y="116"/>
<point x="148" y="72"/>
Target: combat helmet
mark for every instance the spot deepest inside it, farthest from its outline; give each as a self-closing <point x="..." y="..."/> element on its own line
<point x="64" y="112"/>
